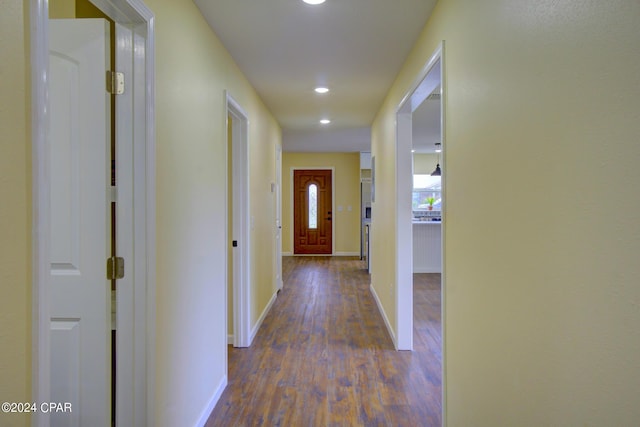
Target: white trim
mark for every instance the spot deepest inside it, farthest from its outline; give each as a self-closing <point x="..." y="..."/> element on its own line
<point x="136" y="16"/>
<point x="229" y="339"/>
<point x="347" y="254"/>
<point x="384" y="315"/>
<point x="277" y="250"/>
<point x="125" y="372"/>
<point x="404" y="234"/>
<point x="404" y="183"/>
<point x="208" y="409"/>
<point x="287" y="253"/>
<point x="407" y="101"/>
<point x="145" y="190"/>
<point x="333" y="205"/>
<point x="40" y="351"/>
<point x="241" y="209"/>
<point x="443" y="186"/>
<point x="266" y="310"/>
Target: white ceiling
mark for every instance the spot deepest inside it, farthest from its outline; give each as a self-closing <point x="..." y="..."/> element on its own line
<point x="286" y="48"/>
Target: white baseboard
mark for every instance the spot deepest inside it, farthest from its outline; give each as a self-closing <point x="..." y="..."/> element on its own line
<point x="287" y="253"/>
<point x="347" y="254"/>
<point x="206" y="412"/>
<point x="255" y="329"/>
<point x="230" y="339"/>
<point x="384" y="316"/>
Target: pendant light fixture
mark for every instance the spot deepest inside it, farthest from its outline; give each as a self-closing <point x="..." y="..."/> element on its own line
<point x="437" y="171"/>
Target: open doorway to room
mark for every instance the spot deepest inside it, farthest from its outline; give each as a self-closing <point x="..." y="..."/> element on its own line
<point x="420" y="209"/>
<point x="427" y="203"/>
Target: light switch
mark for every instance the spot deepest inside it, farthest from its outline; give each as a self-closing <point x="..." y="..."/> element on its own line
<point x="340" y="208"/>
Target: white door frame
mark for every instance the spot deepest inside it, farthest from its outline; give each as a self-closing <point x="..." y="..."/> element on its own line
<point x="241" y="271"/>
<point x="136" y="368"/>
<point x="420" y="89"/>
<point x="333" y="206"/>
<point x="277" y="250"/>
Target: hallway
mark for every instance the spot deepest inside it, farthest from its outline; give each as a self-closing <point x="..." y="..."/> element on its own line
<point x="323" y="356"/>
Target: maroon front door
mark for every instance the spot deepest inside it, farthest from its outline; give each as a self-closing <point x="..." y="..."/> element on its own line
<point x="312" y="212"/>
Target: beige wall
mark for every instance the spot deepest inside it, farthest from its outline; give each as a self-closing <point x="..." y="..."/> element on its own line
<point x="264" y="133"/>
<point x="424" y="163"/>
<point x="15" y="212"/>
<point x="541" y="296"/>
<point x="60" y="9"/>
<point x="193" y="70"/>
<point x="347" y="193"/>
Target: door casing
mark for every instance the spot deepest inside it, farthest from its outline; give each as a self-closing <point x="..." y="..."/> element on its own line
<point x="135" y="48"/>
<point x="241" y="271"/>
<point x="277" y="250"/>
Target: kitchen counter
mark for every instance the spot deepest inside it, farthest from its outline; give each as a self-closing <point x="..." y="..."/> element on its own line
<point x="427" y="247"/>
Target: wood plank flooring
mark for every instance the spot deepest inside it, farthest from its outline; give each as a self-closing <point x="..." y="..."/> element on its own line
<point x="323" y="356"/>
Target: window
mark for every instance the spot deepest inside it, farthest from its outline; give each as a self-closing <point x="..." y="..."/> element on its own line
<point x="313" y="206"/>
<point x="426" y="187"/>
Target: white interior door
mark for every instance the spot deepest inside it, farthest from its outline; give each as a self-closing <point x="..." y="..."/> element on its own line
<point x="80" y="293"/>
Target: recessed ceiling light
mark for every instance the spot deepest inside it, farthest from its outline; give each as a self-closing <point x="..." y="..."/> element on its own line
<point x="322" y="89"/>
<point x="314" y="2"/>
<point x="325" y="121"/>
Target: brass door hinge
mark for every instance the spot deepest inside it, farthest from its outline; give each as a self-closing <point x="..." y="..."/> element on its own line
<point x="115" y="268"/>
<point x="115" y="83"/>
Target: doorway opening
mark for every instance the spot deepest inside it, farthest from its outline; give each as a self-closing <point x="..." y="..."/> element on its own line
<point x="428" y="81"/>
<point x="72" y="291"/>
<point x="238" y="222"/>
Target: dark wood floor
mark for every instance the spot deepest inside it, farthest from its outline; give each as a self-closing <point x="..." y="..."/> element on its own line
<point x="323" y="356"/>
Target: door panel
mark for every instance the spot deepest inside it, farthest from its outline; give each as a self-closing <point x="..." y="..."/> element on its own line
<point x="80" y="293"/>
<point x="312" y="206"/>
